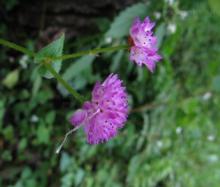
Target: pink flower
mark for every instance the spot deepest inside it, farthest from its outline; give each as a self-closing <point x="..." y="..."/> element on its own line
<point x="105" y="113"/>
<point x="144" y="44"/>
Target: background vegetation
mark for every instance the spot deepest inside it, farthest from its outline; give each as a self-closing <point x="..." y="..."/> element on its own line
<point x="172" y="135"/>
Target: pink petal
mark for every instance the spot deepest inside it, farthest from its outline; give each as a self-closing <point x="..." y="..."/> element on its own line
<point x="78" y="117"/>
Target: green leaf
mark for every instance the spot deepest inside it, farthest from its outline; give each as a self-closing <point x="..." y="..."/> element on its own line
<point x="8" y="133"/>
<point x="116" y="61"/>
<point x="36" y="85"/>
<point x="2" y="111"/>
<point x="65" y="162"/>
<point x="22" y="144"/>
<point x="78" y="73"/>
<point x="11" y="79"/>
<point x="216" y="83"/>
<point x="6" y="155"/>
<point x="120" y="26"/>
<point x="54" y="49"/>
<point x="77" y="67"/>
<point x="160" y="33"/>
<point x="190" y="106"/>
<point x="36" y="81"/>
<point x="50" y="117"/>
<point x="67" y="180"/>
<point x="215" y="6"/>
<point x="133" y="167"/>
<point x="43" y="134"/>
<point x="79" y="177"/>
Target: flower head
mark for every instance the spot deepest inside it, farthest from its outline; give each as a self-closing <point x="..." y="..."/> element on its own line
<point x="144" y="44"/>
<point x="105" y="113"/>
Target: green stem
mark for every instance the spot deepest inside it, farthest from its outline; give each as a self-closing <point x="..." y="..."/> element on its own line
<point x="63" y="82"/>
<point x="47" y="61"/>
<point x="16" y="47"/>
<point x="90" y="52"/>
<point x="63" y="57"/>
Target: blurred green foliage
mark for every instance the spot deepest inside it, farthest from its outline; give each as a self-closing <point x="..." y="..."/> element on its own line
<point x="172" y="135"/>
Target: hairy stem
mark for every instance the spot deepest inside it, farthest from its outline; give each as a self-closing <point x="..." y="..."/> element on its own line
<point x="63" y="57"/>
<point x="16" y="47"/>
<point x="91" y="52"/>
<point x="48" y="60"/>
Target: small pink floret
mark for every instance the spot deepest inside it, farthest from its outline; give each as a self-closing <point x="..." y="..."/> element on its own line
<point x="105" y="113"/>
<point x="144" y="49"/>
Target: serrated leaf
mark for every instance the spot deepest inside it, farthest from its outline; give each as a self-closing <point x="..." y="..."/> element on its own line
<point x="120" y="26"/>
<point x="53" y="49"/>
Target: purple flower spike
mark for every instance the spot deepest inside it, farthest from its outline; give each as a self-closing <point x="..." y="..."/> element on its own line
<point x="144" y="44"/>
<point x="105" y="113"/>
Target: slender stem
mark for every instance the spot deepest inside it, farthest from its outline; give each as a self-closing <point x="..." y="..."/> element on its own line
<point x="63" y="57"/>
<point x="16" y="47"/>
<point x="47" y="61"/>
<point x="63" y="82"/>
<point x="90" y="52"/>
<point x="64" y="140"/>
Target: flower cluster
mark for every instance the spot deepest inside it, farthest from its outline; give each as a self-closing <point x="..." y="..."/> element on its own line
<point x="105" y="113"/>
<point x="144" y="44"/>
